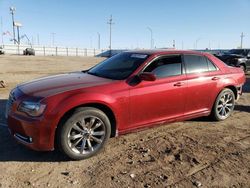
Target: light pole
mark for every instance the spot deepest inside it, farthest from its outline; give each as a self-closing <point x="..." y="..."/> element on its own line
<point x="110" y="23"/>
<point x="12" y="10"/>
<point x="151" y="37"/>
<point x="53" y="38"/>
<point x="241" y="40"/>
<point x="18" y="25"/>
<point x="99" y="40"/>
<point x="196" y="43"/>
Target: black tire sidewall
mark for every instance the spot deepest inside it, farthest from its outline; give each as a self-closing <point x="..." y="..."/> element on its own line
<point x="64" y="129"/>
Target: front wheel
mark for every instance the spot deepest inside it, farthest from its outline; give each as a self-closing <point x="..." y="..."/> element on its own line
<point x="84" y="134"/>
<point x="224" y="105"/>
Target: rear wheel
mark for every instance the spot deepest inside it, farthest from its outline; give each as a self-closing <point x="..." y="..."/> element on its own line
<point x="84" y="134"/>
<point x="224" y="105"/>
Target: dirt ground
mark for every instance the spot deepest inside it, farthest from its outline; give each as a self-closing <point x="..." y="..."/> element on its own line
<point x="195" y="153"/>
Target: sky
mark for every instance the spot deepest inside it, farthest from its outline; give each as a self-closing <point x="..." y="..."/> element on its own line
<point x="191" y="23"/>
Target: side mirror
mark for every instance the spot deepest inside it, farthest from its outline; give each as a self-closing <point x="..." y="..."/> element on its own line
<point x="248" y="55"/>
<point x="147" y="76"/>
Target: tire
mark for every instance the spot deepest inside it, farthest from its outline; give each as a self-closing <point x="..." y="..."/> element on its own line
<point x="243" y="67"/>
<point x="84" y="133"/>
<point x="223" y="105"/>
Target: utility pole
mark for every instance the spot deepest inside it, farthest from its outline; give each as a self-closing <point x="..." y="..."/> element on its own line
<point x="241" y="40"/>
<point x="99" y="40"/>
<point x="18" y="34"/>
<point x="12" y="10"/>
<point x="110" y="23"/>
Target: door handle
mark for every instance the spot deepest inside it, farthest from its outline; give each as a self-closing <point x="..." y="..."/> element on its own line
<point x="178" y="84"/>
<point x="215" y="78"/>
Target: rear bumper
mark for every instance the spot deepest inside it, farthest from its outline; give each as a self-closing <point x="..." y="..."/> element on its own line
<point x="35" y="134"/>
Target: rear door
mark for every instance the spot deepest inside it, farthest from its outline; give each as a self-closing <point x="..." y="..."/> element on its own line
<point x="162" y="99"/>
<point x="202" y="78"/>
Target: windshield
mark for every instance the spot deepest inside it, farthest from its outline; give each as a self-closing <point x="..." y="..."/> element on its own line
<point x="236" y="51"/>
<point x="120" y="66"/>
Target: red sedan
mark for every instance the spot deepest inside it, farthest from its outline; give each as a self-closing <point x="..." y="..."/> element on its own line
<point x="80" y="111"/>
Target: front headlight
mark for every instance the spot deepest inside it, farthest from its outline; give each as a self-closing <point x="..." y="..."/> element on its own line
<point x="33" y="109"/>
<point x="241" y="60"/>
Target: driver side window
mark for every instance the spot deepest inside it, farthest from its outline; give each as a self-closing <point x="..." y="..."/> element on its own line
<point x="165" y="66"/>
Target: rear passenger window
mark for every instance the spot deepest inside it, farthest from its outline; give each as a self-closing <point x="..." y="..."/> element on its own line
<point x="211" y="66"/>
<point x="197" y="64"/>
<point x="165" y="66"/>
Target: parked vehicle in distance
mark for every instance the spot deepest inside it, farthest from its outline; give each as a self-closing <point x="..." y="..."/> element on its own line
<point x="109" y="53"/>
<point x="79" y="112"/>
<point x="29" y="51"/>
<point x="1" y="51"/>
<point x="237" y="58"/>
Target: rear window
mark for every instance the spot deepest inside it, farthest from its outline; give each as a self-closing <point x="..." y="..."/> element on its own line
<point x="198" y="64"/>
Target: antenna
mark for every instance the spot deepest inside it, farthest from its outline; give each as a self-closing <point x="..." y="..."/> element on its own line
<point x="110" y="23"/>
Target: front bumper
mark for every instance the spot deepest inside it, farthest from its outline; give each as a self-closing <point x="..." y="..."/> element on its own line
<point x="33" y="133"/>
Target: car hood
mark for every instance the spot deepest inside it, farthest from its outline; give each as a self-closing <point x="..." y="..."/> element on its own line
<point x="231" y="56"/>
<point x="52" y="85"/>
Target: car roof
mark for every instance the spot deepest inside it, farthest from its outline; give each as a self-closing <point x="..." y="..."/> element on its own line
<point x="166" y="52"/>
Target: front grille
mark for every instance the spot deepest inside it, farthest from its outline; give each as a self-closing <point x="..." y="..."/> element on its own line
<point x="9" y="104"/>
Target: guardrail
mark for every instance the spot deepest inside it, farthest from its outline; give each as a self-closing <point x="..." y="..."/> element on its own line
<point x="51" y="51"/>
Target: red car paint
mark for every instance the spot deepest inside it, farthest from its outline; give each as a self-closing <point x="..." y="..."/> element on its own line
<point x="134" y="107"/>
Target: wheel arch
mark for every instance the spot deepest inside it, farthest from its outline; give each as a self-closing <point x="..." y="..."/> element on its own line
<point x="107" y="110"/>
<point x="234" y="89"/>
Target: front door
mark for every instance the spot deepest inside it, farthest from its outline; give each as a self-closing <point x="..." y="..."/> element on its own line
<point x="162" y="99"/>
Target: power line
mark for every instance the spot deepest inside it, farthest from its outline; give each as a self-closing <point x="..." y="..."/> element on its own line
<point x="110" y="23"/>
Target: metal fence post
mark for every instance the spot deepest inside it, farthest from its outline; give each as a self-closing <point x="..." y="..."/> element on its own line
<point x="76" y="51"/>
<point x="44" y="51"/>
<point x="94" y="51"/>
<point x="85" y="52"/>
<point x="56" y="51"/>
<point x="67" y="50"/>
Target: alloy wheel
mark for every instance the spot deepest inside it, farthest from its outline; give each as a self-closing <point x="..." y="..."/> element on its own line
<point x="225" y="105"/>
<point x="86" y="135"/>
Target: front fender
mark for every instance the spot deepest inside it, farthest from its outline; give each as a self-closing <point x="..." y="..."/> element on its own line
<point x="71" y="102"/>
<point x="59" y="105"/>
